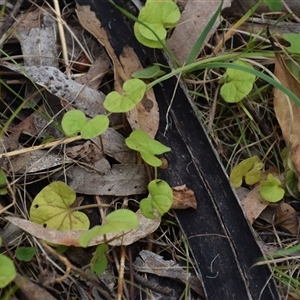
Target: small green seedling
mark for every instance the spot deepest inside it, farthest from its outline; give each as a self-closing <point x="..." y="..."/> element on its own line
<point x="237" y="84"/>
<point x="161" y="194"/>
<point x="159" y="16"/>
<point x="3" y="181"/>
<point x="74" y="122"/>
<point x="51" y="208"/>
<point x="118" y="221"/>
<point x="271" y="189"/>
<point x="140" y="141"/>
<point x="7" y="270"/>
<point x="248" y="170"/>
<point x="148" y="73"/>
<point x="99" y="260"/>
<point x="134" y="90"/>
<point x="160" y="201"/>
<point x="25" y="253"/>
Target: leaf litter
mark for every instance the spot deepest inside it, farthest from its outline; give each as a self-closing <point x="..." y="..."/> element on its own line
<point x="94" y="175"/>
<point x="84" y="166"/>
<point x="106" y="166"/>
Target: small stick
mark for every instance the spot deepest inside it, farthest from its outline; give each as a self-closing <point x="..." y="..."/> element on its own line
<point x="62" y="36"/>
<point x="43" y="146"/>
<point x="121" y="274"/>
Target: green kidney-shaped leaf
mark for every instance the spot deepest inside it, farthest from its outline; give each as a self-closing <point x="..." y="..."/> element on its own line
<point x="147" y="209"/>
<point x="72" y="122"/>
<point x="170" y="14"/>
<point x="94" y="127"/>
<point x="238" y="84"/>
<point x="25" y="253"/>
<point x="99" y="261"/>
<point x="158" y="15"/>
<point x="160" y="201"/>
<point x="117" y="221"/>
<point x="148" y="34"/>
<point x="151" y="159"/>
<point x="148" y="147"/>
<point x="52" y="208"/>
<point x="248" y="169"/>
<point x="271" y="189"/>
<point x="253" y="176"/>
<point x="146" y="42"/>
<point x="7" y="271"/>
<point x="164" y="12"/>
<point x="134" y="90"/>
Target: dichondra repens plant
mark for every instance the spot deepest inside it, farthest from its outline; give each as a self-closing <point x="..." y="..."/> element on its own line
<point x="74" y="122"/>
<point x="52" y="207"/>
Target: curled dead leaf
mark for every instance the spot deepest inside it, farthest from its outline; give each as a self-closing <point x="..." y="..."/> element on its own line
<point x="70" y="237"/>
<point x="89" y="152"/>
<point x="286" y="218"/>
<point x="183" y="198"/>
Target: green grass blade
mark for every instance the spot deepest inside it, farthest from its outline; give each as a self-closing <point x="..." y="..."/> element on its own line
<point x="207" y="65"/>
<point x="197" y="47"/>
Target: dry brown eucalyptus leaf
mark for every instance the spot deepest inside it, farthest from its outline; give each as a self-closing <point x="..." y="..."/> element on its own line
<point x="119" y="180"/>
<point x="55" y="82"/>
<point x="10" y="142"/>
<point x="287" y="112"/>
<point x="70" y="237"/>
<point x="183" y="198"/>
<point x="88" y="151"/>
<point x="286" y="218"/>
<point x="36" y="161"/>
<point x="93" y="78"/>
<point x="253" y="205"/>
<point x="26" y="126"/>
<point x="193" y="20"/>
